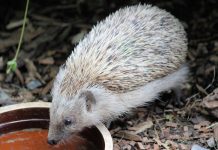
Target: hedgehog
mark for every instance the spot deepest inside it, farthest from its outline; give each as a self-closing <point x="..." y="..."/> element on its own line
<point x="125" y="61"/>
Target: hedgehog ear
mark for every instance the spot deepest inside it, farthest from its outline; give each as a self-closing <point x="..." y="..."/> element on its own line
<point x="89" y="99"/>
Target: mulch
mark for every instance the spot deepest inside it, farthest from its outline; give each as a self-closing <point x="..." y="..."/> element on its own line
<point x="55" y="27"/>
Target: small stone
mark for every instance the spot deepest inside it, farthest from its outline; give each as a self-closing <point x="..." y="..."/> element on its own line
<point x="211" y="142"/>
<point x="3" y="95"/>
<point x="33" y="84"/>
<point x="197" y="147"/>
<point x="5" y="99"/>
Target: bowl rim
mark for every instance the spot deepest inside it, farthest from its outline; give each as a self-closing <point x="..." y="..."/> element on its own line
<point x="108" y="141"/>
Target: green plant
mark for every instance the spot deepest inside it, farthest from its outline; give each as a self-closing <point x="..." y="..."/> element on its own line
<point x="12" y="64"/>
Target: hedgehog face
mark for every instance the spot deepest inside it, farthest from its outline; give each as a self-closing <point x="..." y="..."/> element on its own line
<point x="68" y="115"/>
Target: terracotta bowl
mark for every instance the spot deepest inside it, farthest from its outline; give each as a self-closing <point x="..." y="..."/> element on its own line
<point x="36" y="115"/>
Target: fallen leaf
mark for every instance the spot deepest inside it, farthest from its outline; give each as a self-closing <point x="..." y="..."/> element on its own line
<point x="183" y="146"/>
<point x="156" y="147"/>
<point x="185" y="128"/>
<point x="140" y="146"/>
<point x="15" y="24"/>
<point x="116" y="147"/>
<point x="46" y="61"/>
<point x="142" y="126"/>
<point x="128" y="136"/>
<point x="148" y="147"/>
<point x="76" y="38"/>
<point x="132" y="143"/>
<point x="171" y="124"/>
<point x="1" y="63"/>
<point x="47" y="88"/>
<point x="215" y="130"/>
<point x="20" y="76"/>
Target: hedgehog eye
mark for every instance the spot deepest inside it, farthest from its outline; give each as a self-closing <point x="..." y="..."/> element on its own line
<point x="67" y="122"/>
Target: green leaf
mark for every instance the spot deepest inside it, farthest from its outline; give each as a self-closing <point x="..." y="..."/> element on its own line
<point x="169" y="117"/>
<point x="11" y="66"/>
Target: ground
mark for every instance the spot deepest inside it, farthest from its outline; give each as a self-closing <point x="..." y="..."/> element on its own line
<point x="55" y="27"/>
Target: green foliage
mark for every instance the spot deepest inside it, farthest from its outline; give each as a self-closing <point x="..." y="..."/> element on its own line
<point x="169" y="117"/>
<point x="12" y="64"/>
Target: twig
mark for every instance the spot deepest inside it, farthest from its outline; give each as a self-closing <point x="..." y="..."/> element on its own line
<point x="22" y="31"/>
<point x="12" y="64"/>
<point x="213" y="125"/>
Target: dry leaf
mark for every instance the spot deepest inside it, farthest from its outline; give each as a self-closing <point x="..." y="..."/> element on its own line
<point x="128" y="136"/>
<point x="142" y="126"/>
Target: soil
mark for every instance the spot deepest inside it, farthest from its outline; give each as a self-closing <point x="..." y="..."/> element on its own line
<point x="54" y="28"/>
